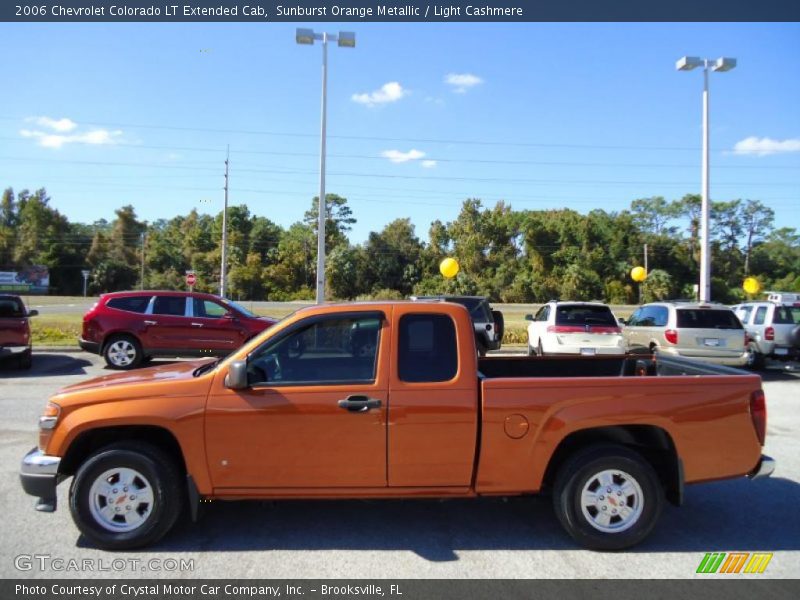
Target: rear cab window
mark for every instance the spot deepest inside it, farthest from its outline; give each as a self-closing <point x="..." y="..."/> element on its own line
<point x="703" y="318"/>
<point x="134" y="304"/>
<point x="428" y="350"/>
<point x="11" y="308"/>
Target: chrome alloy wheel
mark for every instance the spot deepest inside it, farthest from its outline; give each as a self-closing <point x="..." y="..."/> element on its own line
<point x="121" y="500"/>
<point x="612" y="501"/>
<point x="121" y="353"/>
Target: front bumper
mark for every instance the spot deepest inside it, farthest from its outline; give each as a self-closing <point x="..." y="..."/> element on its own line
<point x="93" y="347"/>
<point x="39" y="476"/>
<point x="764" y="468"/>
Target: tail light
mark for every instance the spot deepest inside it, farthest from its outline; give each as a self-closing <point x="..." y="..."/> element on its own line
<point x="769" y="334"/>
<point x="747" y="339"/>
<point x="671" y="336"/>
<point x="758" y="412"/>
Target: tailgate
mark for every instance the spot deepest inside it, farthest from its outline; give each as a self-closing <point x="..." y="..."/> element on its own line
<point x="13" y="332"/>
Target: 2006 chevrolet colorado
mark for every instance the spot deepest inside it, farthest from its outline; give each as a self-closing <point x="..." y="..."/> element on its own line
<point x="390" y="400"/>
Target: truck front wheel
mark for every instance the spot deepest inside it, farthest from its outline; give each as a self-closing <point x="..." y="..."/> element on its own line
<point x="607" y="497"/>
<point x="126" y="496"/>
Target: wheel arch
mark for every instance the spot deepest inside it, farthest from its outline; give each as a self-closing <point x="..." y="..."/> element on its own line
<point x="653" y="443"/>
<point x="90" y="441"/>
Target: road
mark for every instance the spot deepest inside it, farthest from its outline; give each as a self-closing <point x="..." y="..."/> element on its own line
<point x="487" y="538"/>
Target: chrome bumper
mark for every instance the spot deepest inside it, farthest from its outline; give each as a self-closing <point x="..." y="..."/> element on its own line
<point x="765" y="467"/>
<point x="39" y="477"/>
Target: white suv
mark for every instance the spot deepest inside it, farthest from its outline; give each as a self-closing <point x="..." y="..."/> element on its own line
<point x="773" y="328"/>
<point x="709" y="332"/>
<point x="586" y="328"/>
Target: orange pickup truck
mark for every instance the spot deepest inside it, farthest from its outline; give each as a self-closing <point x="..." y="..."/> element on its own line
<point x="389" y="399"/>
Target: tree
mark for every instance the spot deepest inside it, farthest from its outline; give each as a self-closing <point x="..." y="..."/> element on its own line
<point x="757" y="222"/>
<point x="339" y="219"/>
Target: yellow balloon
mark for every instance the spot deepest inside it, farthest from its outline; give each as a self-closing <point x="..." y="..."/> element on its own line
<point x="751" y="285"/>
<point x="449" y="267"/>
<point x="638" y="274"/>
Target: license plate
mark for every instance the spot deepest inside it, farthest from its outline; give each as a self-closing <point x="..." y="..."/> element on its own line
<point x="711" y="342"/>
<point x="781" y="351"/>
<point x="588" y="351"/>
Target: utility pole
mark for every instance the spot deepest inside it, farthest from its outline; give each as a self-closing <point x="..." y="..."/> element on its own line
<point x="223" y="272"/>
<point x="645" y="258"/>
<point x="141" y="285"/>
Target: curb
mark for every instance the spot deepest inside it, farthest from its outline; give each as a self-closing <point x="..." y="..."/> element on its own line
<point x="56" y="349"/>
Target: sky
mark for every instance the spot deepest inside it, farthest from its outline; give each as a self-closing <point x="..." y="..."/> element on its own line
<point x="420" y="117"/>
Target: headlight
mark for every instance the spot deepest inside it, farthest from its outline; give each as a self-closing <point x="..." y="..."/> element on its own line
<point x="49" y="416"/>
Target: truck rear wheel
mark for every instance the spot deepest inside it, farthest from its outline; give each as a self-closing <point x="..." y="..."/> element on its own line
<point x="126" y="496"/>
<point x="607" y="497"/>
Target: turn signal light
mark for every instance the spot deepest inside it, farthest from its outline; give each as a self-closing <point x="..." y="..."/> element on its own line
<point x="758" y="412"/>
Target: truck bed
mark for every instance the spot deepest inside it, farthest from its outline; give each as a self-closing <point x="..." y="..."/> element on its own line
<point x="629" y="365"/>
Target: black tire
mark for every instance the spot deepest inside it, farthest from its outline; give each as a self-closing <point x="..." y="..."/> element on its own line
<point x="481" y="349"/>
<point x="157" y="470"/>
<point x="755" y="360"/>
<point x="25" y="360"/>
<point x="531" y="351"/>
<point x="581" y="471"/>
<point x="123" y="352"/>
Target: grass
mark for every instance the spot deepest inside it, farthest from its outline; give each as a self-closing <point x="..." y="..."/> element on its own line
<point x="56" y="329"/>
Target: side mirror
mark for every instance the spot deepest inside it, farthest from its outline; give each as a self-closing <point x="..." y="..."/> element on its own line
<point x="236" y="379"/>
<point x="33" y="313"/>
<point x="529" y="317"/>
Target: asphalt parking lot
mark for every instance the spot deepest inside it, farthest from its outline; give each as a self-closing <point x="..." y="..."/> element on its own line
<point x="487" y="538"/>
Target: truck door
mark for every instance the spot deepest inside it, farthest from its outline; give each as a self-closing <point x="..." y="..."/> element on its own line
<point x="314" y="415"/>
<point x="433" y="400"/>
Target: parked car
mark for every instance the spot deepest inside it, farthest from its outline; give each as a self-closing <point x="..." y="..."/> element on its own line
<point x="773" y="328"/>
<point x="309" y="410"/>
<point x="15" y="330"/>
<point x="489" y="324"/>
<point x="709" y="332"/>
<point x="129" y="328"/>
<point x="574" y="328"/>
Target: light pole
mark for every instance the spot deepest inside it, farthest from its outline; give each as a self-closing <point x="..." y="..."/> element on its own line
<point x="687" y="63"/>
<point x="345" y="39"/>
<point x="223" y="270"/>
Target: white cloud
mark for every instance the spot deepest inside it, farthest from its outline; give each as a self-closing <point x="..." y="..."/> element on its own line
<point x="389" y="92"/>
<point x="63" y="125"/>
<point x="766" y="146"/>
<point x="95" y="137"/>
<point x="428" y="164"/>
<point x="462" y="82"/>
<point x="397" y="156"/>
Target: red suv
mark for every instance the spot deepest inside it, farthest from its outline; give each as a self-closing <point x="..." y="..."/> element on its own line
<point x="129" y="328"/>
<point x="15" y="331"/>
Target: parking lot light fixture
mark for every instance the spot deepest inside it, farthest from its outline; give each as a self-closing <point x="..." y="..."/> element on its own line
<point x="345" y="39"/>
<point x="687" y="63"/>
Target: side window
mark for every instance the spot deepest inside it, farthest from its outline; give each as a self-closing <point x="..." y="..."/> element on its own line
<point x="333" y="350"/>
<point x="208" y="309"/>
<point x="647" y="317"/>
<point x="545" y="314"/>
<point x="539" y="314"/>
<point x="136" y="304"/>
<point x="428" y="349"/>
<point x="660" y="315"/>
<point x="761" y="314"/>
<point x="634" y="320"/>
<point x="744" y="313"/>
<point x="170" y="305"/>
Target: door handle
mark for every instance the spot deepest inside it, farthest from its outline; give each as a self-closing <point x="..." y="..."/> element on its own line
<point x="359" y="403"/>
<point x="197" y="324"/>
<point x="151" y="322"/>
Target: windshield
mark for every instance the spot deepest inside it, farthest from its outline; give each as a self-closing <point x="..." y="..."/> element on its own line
<point x="239" y="308"/>
<point x="702" y="318"/>
<point x="585" y="314"/>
